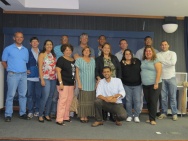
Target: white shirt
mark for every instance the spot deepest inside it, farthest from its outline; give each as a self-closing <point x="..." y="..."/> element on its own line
<point x="139" y="53"/>
<point x="111" y="88"/>
<point x="119" y="55"/>
<point x="168" y="60"/>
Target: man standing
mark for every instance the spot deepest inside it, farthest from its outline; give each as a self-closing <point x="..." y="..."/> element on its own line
<point x="101" y="41"/>
<point x="33" y="84"/>
<point x="148" y="42"/>
<point x="123" y="45"/>
<point x="58" y="53"/>
<point x="109" y="95"/>
<point x="169" y="87"/>
<point x="14" y="60"/>
<point x="57" y="49"/>
<point x="77" y="52"/>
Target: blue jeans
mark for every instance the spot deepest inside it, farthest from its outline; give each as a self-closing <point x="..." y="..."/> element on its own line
<point x="169" y="88"/>
<point x="16" y="81"/>
<point x="33" y="96"/>
<point x="133" y="97"/>
<point x="54" y="102"/>
<point x="46" y="97"/>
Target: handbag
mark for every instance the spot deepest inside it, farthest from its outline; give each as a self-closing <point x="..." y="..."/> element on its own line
<point x="74" y="105"/>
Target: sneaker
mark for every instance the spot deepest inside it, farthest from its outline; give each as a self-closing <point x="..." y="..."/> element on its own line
<point x="129" y="119"/>
<point x="36" y="114"/>
<point x="162" y="116"/>
<point x="30" y="115"/>
<point x="174" y="117"/>
<point x="8" y="119"/>
<point x="136" y="119"/>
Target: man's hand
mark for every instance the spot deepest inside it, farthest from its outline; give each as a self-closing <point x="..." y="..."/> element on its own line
<point x="117" y="95"/>
<point x="111" y="99"/>
<point x="28" y="72"/>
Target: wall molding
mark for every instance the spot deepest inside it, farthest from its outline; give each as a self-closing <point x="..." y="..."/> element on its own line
<point x="89" y="14"/>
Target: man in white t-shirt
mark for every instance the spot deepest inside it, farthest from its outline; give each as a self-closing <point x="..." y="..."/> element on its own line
<point x="169" y="87"/>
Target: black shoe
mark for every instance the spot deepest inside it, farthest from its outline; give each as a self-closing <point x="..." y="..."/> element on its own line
<point x="24" y="116"/>
<point x="112" y="117"/>
<point x="104" y="115"/>
<point x="82" y="121"/>
<point x="60" y="123"/>
<point x="68" y="120"/>
<point x="53" y="116"/>
<point x="158" y="114"/>
<point x="47" y="119"/>
<point x="8" y="119"/>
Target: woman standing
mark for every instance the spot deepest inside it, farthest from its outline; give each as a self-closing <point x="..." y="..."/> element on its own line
<point x="107" y="59"/>
<point x="47" y="73"/>
<point x="65" y="84"/>
<point x="132" y="82"/>
<point x="85" y="74"/>
<point x="151" y="80"/>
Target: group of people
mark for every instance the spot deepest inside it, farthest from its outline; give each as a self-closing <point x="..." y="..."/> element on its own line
<point x="48" y="79"/>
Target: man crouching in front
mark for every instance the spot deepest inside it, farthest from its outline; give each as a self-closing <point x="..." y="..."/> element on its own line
<point x="109" y="95"/>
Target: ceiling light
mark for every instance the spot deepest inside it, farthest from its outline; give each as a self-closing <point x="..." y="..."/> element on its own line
<point x="170" y="24"/>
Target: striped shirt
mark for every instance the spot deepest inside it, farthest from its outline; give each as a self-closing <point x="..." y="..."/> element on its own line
<point x="87" y="73"/>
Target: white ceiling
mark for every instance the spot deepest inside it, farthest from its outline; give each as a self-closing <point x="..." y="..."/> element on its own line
<point x="178" y="8"/>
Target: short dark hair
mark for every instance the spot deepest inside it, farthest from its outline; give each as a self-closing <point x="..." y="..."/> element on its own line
<point x="122" y="40"/>
<point x="107" y="67"/>
<point x="64" y="35"/>
<point x="34" y="38"/>
<point x="147" y="38"/>
<point x="164" y="41"/>
<point x="63" y="47"/>
<point x="102" y="36"/>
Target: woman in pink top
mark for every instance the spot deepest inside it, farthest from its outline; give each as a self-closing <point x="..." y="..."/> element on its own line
<point x="47" y="74"/>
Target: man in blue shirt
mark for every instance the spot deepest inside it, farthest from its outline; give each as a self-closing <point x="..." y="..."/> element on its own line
<point x="57" y="49"/>
<point x="14" y="60"/>
<point x="33" y="83"/>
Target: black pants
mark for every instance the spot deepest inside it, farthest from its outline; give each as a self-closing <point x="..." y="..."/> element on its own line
<point x="114" y="108"/>
<point x="151" y="96"/>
